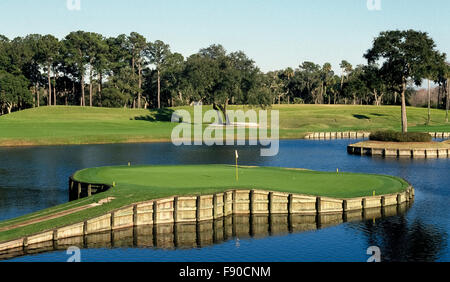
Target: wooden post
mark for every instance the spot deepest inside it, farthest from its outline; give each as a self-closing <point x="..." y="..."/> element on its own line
<point x="175" y="209"/>
<point x="85" y="231"/>
<point x="318" y="204"/>
<point x="291" y="204"/>
<point x="135" y="219"/>
<point x="71" y="190"/>
<point x="112" y="220"/>
<point x="155" y="213"/>
<point x="270" y="202"/>
<point x="198" y="208"/>
<point x="252" y="202"/>
<point x="79" y="191"/>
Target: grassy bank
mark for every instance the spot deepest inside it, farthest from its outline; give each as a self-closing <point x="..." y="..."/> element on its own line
<point x="142" y="183"/>
<point x="75" y="125"/>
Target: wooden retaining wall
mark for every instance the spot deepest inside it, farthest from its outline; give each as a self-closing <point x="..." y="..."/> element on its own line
<point x="78" y="190"/>
<point x="399" y="153"/>
<point x="197" y="234"/>
<point x="164" y="213"/>
<point x="337" y="135"/>
<point x="359" y="135"/>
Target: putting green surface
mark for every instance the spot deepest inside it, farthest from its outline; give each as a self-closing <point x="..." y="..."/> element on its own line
<point x="142" y="183"/>
<point x="204" y="179"/>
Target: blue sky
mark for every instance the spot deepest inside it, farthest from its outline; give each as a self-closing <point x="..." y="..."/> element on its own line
<point x="275" y="33"/>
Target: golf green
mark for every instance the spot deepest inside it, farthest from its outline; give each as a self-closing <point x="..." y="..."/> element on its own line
<point x="161" y="181"/>
<point x="134" y="184"/>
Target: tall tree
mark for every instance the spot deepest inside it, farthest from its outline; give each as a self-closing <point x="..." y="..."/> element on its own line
<point x="443" y="78"/>
<point x="172" y="76"/>
<point x="403" y="54"/>
<point x="14" y="92"/>
<point x="346" y="68"/>
<point x="84" y="50"/>
<point x="137" y="45"/>
<point x="4" y="58"/>
<point x="275" y="84"/>
<point x="96" y="48"/>
<point x="23" y="59"/>
<point x="286" y="76"/>
<point x="432" y="74"/>
<point x="447" y="81"/>
<point x="374" y="82"/>
<point x="327" y="75"/>
<point x="310" y="77"/>
<point x="76" y="44"/>
<point x="47" y="53"/>
<point x="158" y="52"/>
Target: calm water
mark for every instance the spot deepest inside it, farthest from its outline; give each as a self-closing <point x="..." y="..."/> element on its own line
<point x="35" y="178"/>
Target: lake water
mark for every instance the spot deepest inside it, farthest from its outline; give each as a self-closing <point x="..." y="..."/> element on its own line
<point x="36" y="178"/>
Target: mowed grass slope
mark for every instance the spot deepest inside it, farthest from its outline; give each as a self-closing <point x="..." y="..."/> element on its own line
<point x="83" y="125"/>
<point x="295" y="119"/>
<point x="141" y="183"/>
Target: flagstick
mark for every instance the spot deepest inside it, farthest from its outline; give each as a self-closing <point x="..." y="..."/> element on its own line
<point x="237" y="169"/>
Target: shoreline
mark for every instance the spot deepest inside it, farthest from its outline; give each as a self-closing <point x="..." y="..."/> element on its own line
<point x="328" y="135"/>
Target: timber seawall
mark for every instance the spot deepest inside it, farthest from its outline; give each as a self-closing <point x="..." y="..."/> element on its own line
<point x="207" y="208"/>
<point x="429" y="153"/>
<point x="78" y="190"/>
<point x="205" y="233"/>
<point x="360" y="135"/>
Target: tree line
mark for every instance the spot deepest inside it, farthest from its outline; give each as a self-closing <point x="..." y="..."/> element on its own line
<point x="88" y="69"/>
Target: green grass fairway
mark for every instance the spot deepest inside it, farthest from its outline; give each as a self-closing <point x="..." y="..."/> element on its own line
<point x="76" y="125"/>
<point x="141" y="183"/>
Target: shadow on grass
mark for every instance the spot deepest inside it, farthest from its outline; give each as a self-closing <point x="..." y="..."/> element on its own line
<point x="361" y="116"/>
<point x="157" y="115"/>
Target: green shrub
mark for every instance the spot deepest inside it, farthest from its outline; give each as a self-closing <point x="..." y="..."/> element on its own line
<point x="299" y="101"/>
<point x="394" y="136"/>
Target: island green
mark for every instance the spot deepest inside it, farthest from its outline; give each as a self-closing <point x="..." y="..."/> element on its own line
<point x="135" y="184"/>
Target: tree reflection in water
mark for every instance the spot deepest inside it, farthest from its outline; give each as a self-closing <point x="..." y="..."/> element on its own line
<point x="401" y="240"/>
<point x="203" y="234"/>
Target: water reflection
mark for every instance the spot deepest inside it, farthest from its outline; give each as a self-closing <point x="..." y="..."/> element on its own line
<point x="401" y="241"/>
<point x="204" y="234"/>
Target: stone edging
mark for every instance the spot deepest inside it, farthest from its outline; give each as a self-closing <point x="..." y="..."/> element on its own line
<point x="185" y="209"/>
<point x="430" y="153"/>
<point x="356" y="135"/>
